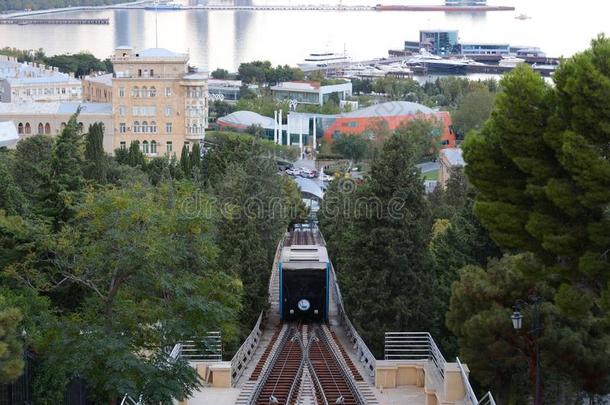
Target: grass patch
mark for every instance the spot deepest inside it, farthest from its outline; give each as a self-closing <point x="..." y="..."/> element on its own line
<point x="433" y="175"/>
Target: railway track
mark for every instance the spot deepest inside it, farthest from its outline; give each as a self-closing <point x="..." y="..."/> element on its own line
<point x="307" y="370"/>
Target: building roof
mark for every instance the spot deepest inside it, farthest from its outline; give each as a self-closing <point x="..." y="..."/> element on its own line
<point x="308" y="186"/>
<point x="158" y="53"/>
<point x="102" y="79"/>
<point x="453" y="156"/>
<point x="53" y="78"/>
<point x="8" y="133"/>
<point x="390" y="109"/>
<point x="304" y="86"/>
<point x="246" y="119"/>
<point x="55" y="107"/>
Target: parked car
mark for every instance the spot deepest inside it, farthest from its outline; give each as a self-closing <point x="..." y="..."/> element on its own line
<point x="293" y="171"/>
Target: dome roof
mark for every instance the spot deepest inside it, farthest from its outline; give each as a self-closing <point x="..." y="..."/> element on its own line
<point x="390" y="109"/>
<point x="246" y="119"/>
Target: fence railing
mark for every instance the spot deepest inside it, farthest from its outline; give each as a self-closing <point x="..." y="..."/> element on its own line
<point x="487" y="399"/>
<point x="471" y="397"/>
<point x="414" y="346"/>
<point x="364" y="354"/>
<point x="247" y="349"/>
<point x="208" y="348"/>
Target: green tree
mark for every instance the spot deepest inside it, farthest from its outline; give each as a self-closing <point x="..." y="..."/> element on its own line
<point x="541" y="168"/>
<point x="96" y="161"/>
<point x="32" y="167"/>
<point x="12" y="199"/>
<point x="185" y="161"/>
<point x="11" y="348"/>
<point x="474" y="110"/>
<point x="377" y="235"/>
<point x="149" y="278"/>
<point x="135" y="157"/>
<point x="352" y="147"/>
<point x="64" y="187"/>
<point x="220" y="74"/>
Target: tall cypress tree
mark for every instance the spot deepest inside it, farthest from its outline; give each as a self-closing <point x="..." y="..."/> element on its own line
<point x="196" y="158"/>
<point x="96" y="163"/>
<point x="185" y="161"/>
<point x="135" y="157"/>
<point x="64" y="188"/>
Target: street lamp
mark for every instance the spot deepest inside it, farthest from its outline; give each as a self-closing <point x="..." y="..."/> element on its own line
<point x="531" y="341"/>
<point x="517" y="319"/>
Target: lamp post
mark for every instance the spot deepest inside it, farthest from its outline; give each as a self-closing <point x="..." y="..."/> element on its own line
<point x="531" y="341"/>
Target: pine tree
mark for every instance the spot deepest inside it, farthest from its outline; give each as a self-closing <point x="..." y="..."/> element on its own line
<point x="379" y="245"/>
<point x="542" y="168"/>
<point x="11" y="350"/>
<point x="96" y="162"/>
<point x="12" y="200"/>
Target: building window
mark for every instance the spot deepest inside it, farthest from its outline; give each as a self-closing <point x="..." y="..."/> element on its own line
<point x="145" y="147"/>
<point x="20" y="128"/>
<point x="153" y="147"/>
<point x="168" y="91"/>
<point x="188" y="146"/>
<point x="122" y="110"/>
<point x="144" y="126"/>
<point x="168" y="127"/>
<point x="168" y="146"/>
<point x="121" y="91"/>
<point x="139" y="72"/>
<point x="122" y="128"/>
<point x="144" y="92"/>
<point x="153" y="127"/>
<point x="135" y="92"/>
<point x="28" y="128"/>
<point x="81" y="127"/>
<point x="152" y="92"/>
<point x="152" y="72"/>
<point x="136" y="126"/>
<point x="168" y="111"/>
<point x="40" y="129"/>
<point x="47" y="128"/>
<point x="122" y="145"/>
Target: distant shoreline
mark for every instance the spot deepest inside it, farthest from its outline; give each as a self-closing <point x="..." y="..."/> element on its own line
<point x="74" y="8"/>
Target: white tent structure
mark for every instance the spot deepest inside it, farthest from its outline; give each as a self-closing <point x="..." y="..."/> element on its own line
<point x="8" y="134"/>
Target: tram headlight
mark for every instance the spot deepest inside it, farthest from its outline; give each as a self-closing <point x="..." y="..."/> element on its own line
<point x="304" y="305"/>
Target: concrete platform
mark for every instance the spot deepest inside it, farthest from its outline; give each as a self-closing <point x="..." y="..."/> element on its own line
<point x="214" y="396"/>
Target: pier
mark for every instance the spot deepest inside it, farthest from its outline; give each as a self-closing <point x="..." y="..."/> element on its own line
<point x="55" y="21"/>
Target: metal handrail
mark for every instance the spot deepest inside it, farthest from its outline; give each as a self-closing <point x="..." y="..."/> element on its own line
<point x="488" y="399"/>
<point x="364" y="354"/>
<point x="414" y="346"/>
<point x="470" y="395"/>
<point x="246" y="350"/>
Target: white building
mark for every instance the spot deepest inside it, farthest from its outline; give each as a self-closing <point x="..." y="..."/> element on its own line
<point x="49" y="118"/>
<point x="311" y="92"/>
<point x="32" y="82"/>
<point x="8" y="134"/>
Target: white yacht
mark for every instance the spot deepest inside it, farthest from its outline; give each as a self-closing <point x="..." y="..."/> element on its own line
<point x="323" y="59"/>
<point x="510" y="61"/>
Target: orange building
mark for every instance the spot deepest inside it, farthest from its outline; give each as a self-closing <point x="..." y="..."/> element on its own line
<point x="394" y="114"/>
